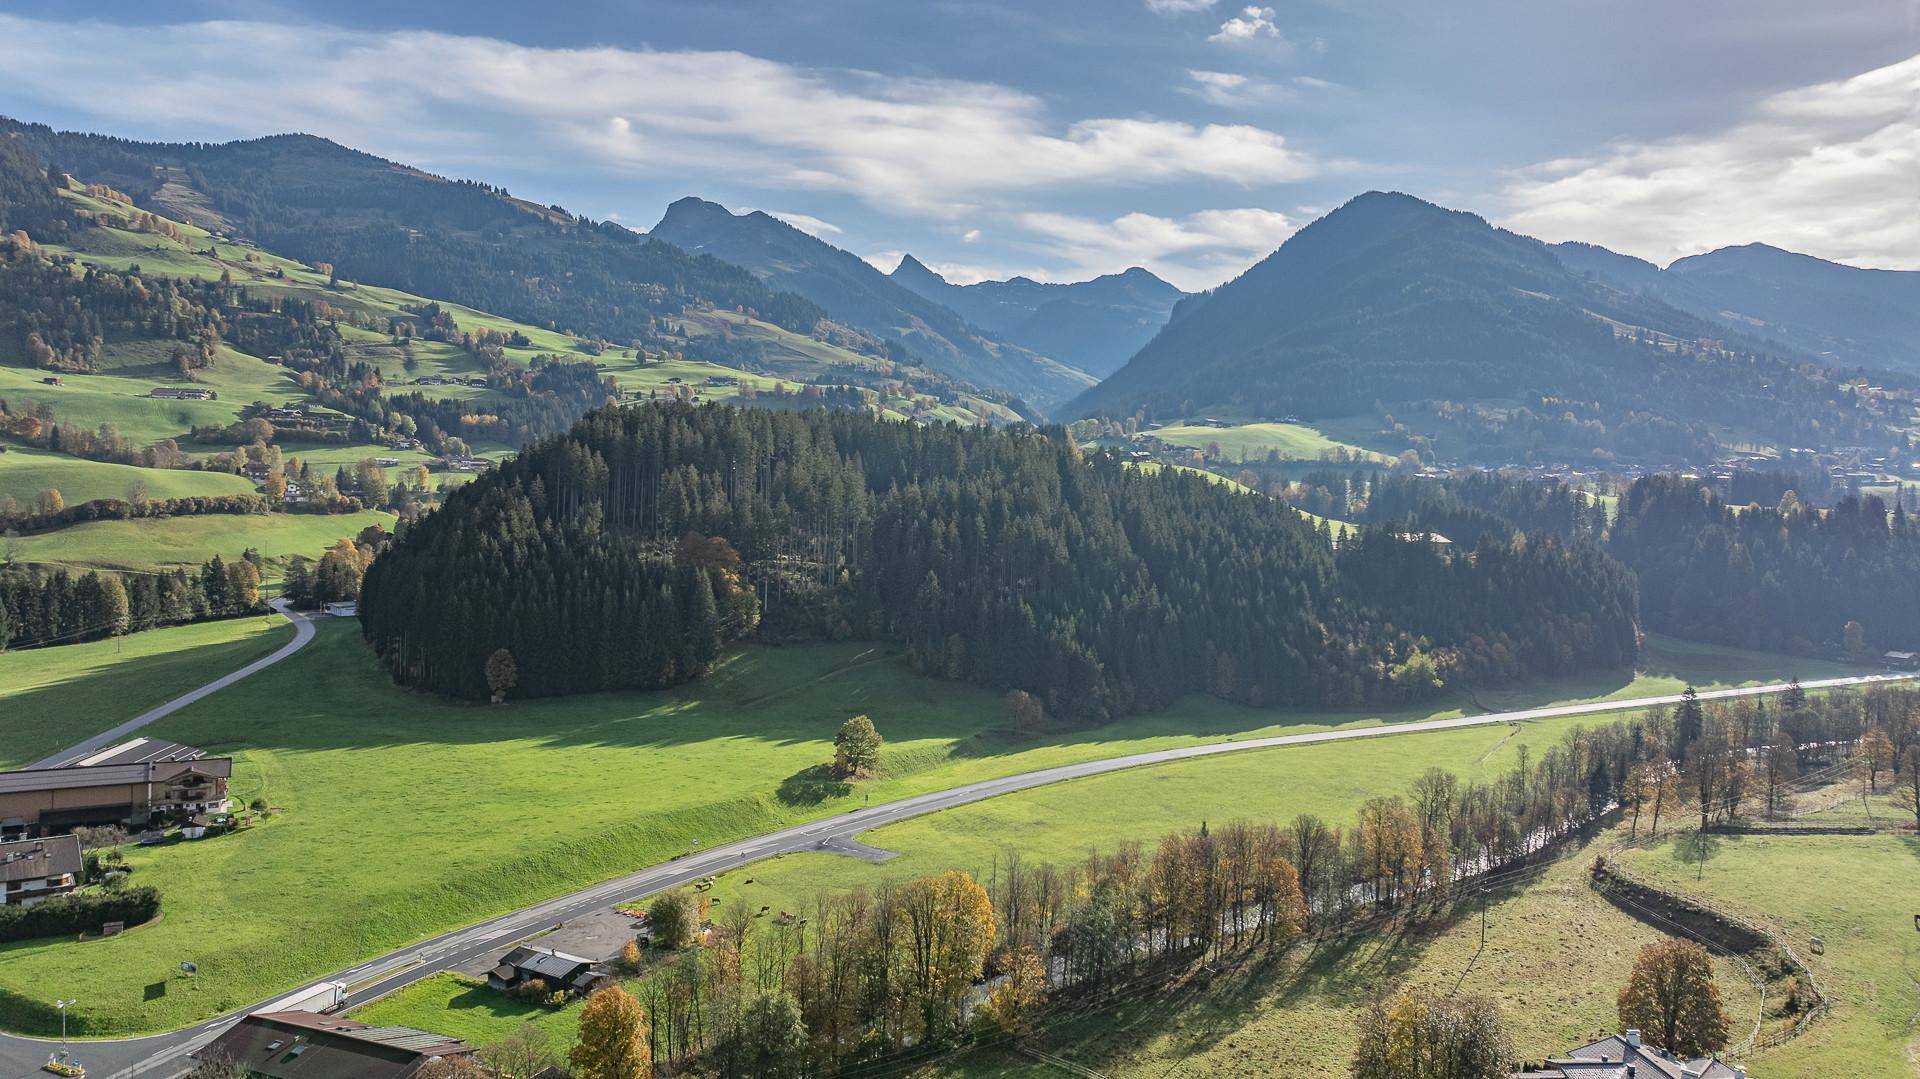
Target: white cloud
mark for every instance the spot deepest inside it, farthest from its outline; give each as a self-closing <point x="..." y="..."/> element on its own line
<point x="1232" y="90"/>
<point x="933" y="146"/>
<point x="970" y="236"/>
<point x="1831" y="169"/>
<point x="1178" y="7"/>
<point x="1252" y="24"/>
<point x="1196" y="251"/>
<point x="806" y="223"/>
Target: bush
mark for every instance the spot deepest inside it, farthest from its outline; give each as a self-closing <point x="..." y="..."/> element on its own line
<point x="81" y="912"/>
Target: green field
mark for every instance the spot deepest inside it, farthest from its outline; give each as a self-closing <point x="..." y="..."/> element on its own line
<point x="1060" y="822"/>
<point x="1254" y="441"/>
<point x="25" y="472"/>
<point x="53" y="697"/>
<point x="1858" y="894"/>
<point x="121" y="399"/>
<point x="171" y="542"/>
<point x="406" y="815"/>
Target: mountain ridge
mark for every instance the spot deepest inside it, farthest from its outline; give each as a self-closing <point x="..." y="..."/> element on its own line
<point x="855" y="292"/>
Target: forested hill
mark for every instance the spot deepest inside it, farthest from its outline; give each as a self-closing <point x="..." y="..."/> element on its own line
<point x="1393" y="300"/>
<point x="1094" y="325"/>
<point x="1843" y="314"/>
<point x="998" y="557"/>
<point x="852" y="291"/>
<point x="1784" y="578"/>
<point x="385" y="223"/>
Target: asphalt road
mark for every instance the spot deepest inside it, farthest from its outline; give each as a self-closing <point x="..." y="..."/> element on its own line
<point x="163" y="1055"/>
<point x="302" y="633"/>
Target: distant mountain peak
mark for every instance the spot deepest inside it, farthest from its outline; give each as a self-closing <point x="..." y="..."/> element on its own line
<point x="912" y="271"/>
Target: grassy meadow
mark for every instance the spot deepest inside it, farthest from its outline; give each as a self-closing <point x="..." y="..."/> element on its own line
<point x="1060" y="822"/>
<point x="158" y="543"/>
<point x="400" y="814"/>
<point x="1253" y="441"/>
<point x="53" y="697"/>
<point x="25" y="472"/>
<point x="1857" y="893"/>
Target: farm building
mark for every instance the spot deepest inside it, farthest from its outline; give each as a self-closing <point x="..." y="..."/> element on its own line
<point x="564" y="973"/>
<point x="1618" y="1056"/>
<point x="32" y="870"/>
<point x="1902" y="661"/>
<point x="295" y="1045"/>
<point x="182" y="393"/>
<point x="134" y="784"/>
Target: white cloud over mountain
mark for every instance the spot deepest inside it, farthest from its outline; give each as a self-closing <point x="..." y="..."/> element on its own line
<point x="1831" y="169"/>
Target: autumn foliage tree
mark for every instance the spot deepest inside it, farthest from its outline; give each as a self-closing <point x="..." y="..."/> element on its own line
<point x="613" y="1038"/>
<point x="1672" y="999"/>
<point x="502" y="674"/>
<point x="1417" y="1035"/>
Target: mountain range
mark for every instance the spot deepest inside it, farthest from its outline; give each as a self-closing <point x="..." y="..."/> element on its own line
<point x="1094" y="325"/>
<point x="1390" y="300"/>
<point x="858" y="294"/>
<point x="1839" y="314"/>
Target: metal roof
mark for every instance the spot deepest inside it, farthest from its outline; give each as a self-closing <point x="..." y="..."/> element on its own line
<point x="137" y="751"/>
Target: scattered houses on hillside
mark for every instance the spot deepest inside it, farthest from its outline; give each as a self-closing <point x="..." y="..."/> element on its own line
<point x="35" y="870"/>
<point x="183" y="393"/>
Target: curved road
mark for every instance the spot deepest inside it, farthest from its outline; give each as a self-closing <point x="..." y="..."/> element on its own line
<point x="163" y="1055"/>
<point x="302" y="633"/>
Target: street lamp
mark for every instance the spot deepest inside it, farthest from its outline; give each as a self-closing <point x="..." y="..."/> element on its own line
<point x="62" y="1005"/>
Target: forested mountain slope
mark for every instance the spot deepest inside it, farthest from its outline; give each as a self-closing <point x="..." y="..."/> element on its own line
<point x="1094" y="325"/>
<point x="1843" y="314"/>
<point x="1393" y="300"/>
<point x="998" y="557"/>
<point x="386" y="223"/>
<point x="852" y="291"/>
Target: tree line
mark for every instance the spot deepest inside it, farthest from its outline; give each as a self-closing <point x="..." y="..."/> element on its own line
<point x="41" y="606"/>
<point x="998" y="557"/>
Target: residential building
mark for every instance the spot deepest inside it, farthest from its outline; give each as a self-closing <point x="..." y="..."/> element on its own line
<point x="133" y="784"/>
<point x="308" y="1045"/>
<point x="565" y="973"/>
<point x="34" y="870"/>
<point x="1625" y="1056"/>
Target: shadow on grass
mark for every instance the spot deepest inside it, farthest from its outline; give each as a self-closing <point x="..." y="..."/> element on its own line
<point x="334" y="695"/>
<point x="811" y="786"/>
<point x="47" y="718"/>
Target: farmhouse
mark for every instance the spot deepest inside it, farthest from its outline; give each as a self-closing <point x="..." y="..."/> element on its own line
<point x="564" y="973"/>
<point x="134" y="784"/>
<point x="182" y="393"/>
<point x="34" y="870"/>
<point x="1619" y="1056"/>
<point x="298" y="1045"/>
<point x="1902" y="661"/>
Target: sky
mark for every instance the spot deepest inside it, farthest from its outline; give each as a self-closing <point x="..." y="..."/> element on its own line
<point x="1065" y="138"/>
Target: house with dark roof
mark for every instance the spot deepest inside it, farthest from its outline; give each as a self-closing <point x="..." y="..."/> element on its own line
<point x="564" y="973"/>
<point x="1625" y="1056"/>
<point x="308" y="1045"/>
<point x="133" y="784"/>
<point x="35" y="870"/>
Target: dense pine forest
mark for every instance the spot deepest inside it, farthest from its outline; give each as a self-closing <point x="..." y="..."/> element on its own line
<point x="1787" y="577"/>
<point x="1778" y="575"/>
<point x="628" y="552"/>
